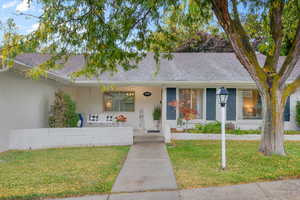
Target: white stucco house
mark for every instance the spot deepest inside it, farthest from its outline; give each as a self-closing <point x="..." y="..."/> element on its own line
<point x="189" y="78"/>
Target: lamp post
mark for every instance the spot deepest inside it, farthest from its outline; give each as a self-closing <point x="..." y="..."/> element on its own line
<point x="223" y="95"/>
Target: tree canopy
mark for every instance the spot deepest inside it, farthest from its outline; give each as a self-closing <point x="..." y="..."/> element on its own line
<point x="114" y="33"/>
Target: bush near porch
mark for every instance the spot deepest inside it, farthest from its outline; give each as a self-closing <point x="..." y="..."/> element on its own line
<point x="59" y="172"/>
<point x="215" y="127"/>
<point x="197" y="163"/>
<point x="63" y="111"/>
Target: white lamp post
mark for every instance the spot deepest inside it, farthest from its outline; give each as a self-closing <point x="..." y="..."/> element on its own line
<point x="223" y="95"/>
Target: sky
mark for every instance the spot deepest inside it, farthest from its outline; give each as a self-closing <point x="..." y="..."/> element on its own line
<point x="13" y="8"/>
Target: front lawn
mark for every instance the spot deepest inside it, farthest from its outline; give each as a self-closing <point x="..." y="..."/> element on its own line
<point x="59" y="172"/>
<point x="197" y="163"/>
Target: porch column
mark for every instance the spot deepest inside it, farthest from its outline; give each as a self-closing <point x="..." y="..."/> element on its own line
<point x="165" y="125"/>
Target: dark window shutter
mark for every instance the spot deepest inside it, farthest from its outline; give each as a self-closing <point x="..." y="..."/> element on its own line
<point x="287" y="110"/>
<point x="211" y="104"/>
<point x="171" y="110"/>
<point x="231" y="104"/>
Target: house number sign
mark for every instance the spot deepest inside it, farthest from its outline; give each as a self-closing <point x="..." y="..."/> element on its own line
<point x="147" y="94"/>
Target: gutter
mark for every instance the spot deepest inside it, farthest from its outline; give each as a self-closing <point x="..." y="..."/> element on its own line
<point x="161" y="83"/>
<point x="51" y="75"/>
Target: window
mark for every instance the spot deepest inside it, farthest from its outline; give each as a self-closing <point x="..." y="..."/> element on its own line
<point x="119" y="101"/>
<point x="191" y="100"/>
<point x="251" y="105"/>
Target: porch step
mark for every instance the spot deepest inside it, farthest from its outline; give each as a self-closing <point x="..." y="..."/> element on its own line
<point x="148" y="139"/>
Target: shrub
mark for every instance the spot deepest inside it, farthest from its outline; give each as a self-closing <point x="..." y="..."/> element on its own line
<point x="156" y="113"/>
<point x="230" y="126"/>
<point x="63" y="112"/>
<point x="215" y="127"/>
<point x="243" y="132"/>
<point x="212" y="127"/>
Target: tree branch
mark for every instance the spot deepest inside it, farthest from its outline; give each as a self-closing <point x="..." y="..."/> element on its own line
<point x="29" y="15"/>
<point x="291" y="59"/>
<point x="292" y="87"/>
<point x="239" y="40"/>
<point x="277" y="35"/>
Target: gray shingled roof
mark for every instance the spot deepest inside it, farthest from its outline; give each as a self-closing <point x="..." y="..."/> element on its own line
<point x="202" y="67"/>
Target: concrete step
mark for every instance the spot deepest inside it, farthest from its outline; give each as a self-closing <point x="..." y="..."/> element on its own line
<point x="148" y="139"/>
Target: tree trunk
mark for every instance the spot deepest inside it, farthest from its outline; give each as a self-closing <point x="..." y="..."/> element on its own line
<point x="272" y="141"/>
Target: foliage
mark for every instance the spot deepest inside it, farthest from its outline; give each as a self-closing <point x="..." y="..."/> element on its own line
<point x="188" y="113"/>
<point x="109" y="34"/>
<point x="197" y="163"/>
<point x="177" y="28"/>
<point x="58" y="173"/>
<point x="121" y="118"/>
<point x="211" y="127"/>
<point x="292" y="132"/>
<point x="156" y="113"/>
<point x="298" y="113"/>
<point x="63" y="112"/>
<point x="243" y="132"/>
<point x="215" y="128"/>
<point x="230" y="126"/>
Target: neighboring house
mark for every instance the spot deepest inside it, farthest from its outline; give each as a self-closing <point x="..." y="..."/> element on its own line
<point x="189" y="78"/>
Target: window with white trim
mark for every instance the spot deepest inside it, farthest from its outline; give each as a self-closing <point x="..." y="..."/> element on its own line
<point x="122" y="101"/>
<point x="250" y="104"/>
<point x="191" y="100"/>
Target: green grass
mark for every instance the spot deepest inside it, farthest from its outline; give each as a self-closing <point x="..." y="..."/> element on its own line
<point x="59" y="172"/>
<point x="197" y="163"/>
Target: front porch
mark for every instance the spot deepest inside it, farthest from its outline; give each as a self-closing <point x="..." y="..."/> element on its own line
<point x="135" y="103"/>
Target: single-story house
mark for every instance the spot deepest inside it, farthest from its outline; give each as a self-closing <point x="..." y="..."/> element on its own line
<point x="189" y="78"/>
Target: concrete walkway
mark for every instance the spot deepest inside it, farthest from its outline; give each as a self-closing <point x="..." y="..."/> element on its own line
<point x="146" y="168"/>
<point x="277" y="190"/>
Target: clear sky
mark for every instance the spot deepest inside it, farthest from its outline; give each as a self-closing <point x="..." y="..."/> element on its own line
<point x="12" y="9"/>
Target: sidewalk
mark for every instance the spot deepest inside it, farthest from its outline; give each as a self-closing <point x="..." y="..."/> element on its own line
<point x="147" y="167"/>
<point x="277" y="190"/>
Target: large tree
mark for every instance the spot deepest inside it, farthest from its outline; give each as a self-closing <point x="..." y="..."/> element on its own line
<point x="112" y="33"/>
<point x="271" y="78"/>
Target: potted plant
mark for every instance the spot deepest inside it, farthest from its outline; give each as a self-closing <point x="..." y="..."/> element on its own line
<point x="157" y="116"/>
<point x="188" y="114"/>
<point x="121" y="119"/>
